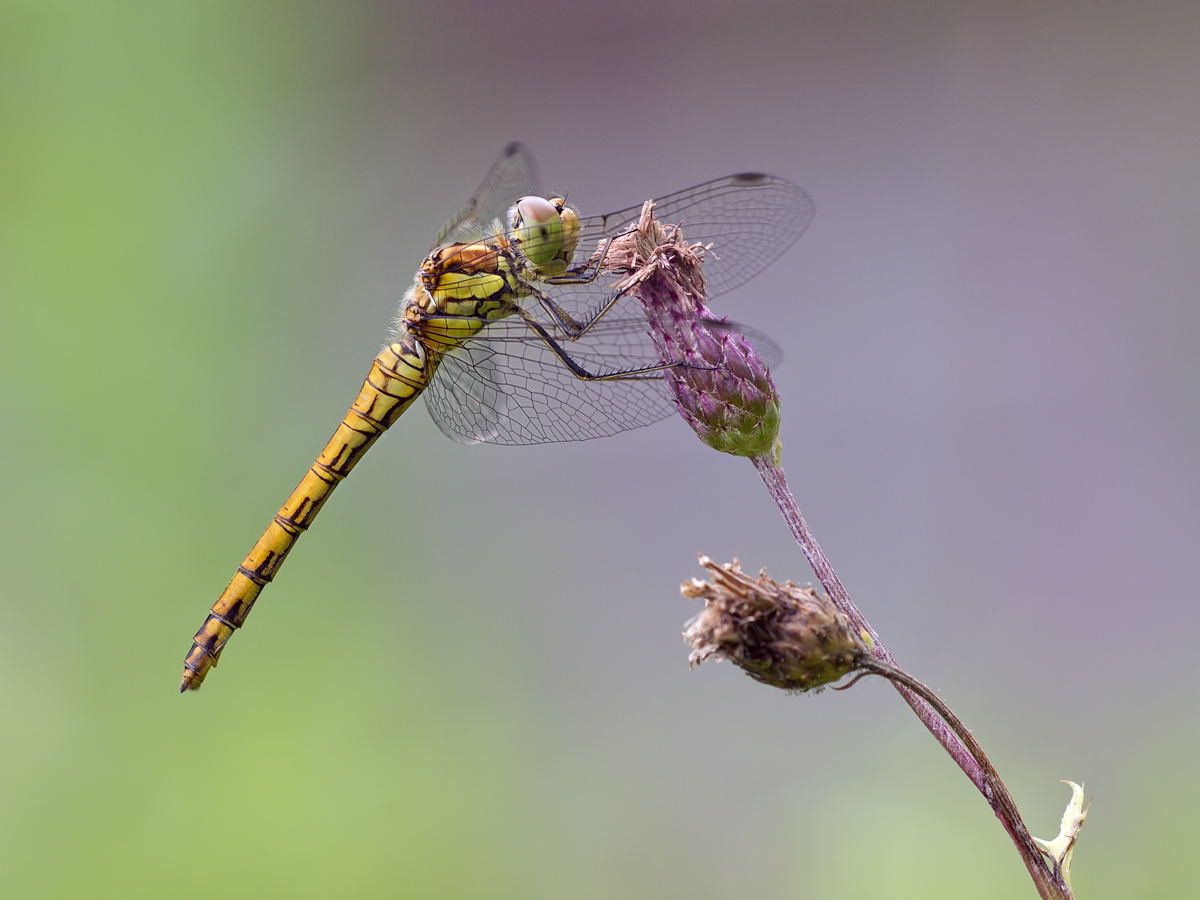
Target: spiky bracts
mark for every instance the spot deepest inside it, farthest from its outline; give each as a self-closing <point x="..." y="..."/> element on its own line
<point x="783" y="635"/>
<point x="720" y="384"/>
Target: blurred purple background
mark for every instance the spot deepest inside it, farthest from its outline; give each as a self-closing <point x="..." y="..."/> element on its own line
<point x="469" y="680"/>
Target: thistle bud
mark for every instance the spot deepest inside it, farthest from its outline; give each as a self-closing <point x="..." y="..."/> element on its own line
<point x="720" y="384"/>
<point x="783" y="635"/>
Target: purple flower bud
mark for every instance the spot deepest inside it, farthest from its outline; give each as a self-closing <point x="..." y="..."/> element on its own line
<point x="721" y="387"/>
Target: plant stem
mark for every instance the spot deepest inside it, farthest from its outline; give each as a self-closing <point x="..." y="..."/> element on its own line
<point x="1002" y="803"/>
<point x="946" y="728"/>
<point x="773" y="477"/>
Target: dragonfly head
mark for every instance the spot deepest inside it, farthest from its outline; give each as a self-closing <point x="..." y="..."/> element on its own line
<point x="546" y="232"/>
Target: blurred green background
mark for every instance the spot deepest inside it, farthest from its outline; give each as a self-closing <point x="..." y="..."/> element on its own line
<point x="468" y="681"/>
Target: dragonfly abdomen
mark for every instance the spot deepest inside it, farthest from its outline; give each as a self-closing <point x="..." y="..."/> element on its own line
<point x="398" y="375"/>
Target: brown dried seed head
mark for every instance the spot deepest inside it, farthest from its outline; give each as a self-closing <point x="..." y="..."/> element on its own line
<point x="783" y="635"/>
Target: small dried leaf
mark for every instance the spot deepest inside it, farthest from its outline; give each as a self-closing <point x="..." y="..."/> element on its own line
<point x="1061" y="847"/>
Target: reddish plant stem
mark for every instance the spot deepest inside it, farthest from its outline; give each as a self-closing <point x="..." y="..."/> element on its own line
<point x="773" y="477"/>
<point x="1048" y="886"/>
<point x="725" y="393"/>
<point x="946" y="728"/>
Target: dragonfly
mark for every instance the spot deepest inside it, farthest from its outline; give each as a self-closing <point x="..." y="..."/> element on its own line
<point x="516" y="332"/>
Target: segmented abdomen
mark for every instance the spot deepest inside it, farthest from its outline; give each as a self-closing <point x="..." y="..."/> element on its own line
<point x="398" y="375"/>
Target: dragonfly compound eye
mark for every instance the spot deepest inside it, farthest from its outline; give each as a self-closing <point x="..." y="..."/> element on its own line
<point x="538" y="230"/>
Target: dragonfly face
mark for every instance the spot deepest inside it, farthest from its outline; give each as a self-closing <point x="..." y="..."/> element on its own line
<point x="545" y="233"/>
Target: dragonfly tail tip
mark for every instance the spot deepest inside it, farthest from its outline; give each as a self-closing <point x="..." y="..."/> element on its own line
<point x="189" y="683"/>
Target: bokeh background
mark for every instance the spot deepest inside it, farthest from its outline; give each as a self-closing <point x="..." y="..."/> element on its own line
<point x="469" y="681"/>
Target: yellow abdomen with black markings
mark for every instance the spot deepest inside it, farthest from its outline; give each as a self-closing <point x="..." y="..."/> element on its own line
<point x="397" y="377"/>
<point x="458" y="290"/>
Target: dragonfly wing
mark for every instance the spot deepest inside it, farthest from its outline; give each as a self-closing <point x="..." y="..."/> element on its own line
<point x="508" y="387"/>
<point x="467" y="399"/>
<point x="749" y="219"/>
<point x="513" y="176"/>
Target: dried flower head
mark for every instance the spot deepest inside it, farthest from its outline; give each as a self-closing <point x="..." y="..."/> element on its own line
<point x="723" y="388"/>
<point x="783" y="635"/>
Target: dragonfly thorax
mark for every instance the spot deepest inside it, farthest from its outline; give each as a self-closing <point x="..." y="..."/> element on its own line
<point x="467" y="279"/>
<point x="440" y="323"/>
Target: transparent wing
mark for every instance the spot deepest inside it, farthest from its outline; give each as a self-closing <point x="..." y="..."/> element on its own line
<point x="513" y="176"/>
<point x="750" y="219"/>
<point x="508" y="387"/>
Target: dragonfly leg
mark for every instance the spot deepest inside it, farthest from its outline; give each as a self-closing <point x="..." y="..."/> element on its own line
<point x="585" y="327"/>
<point x="570" y="329"/>
<point x="644" y="373"/>
<point x="563" y="321"/>
<point x="577" y="276"/>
